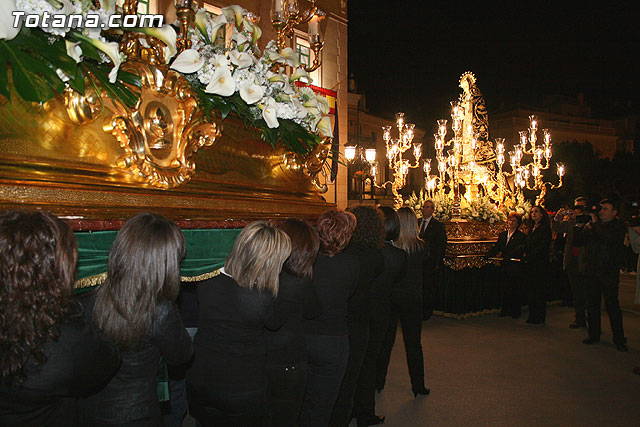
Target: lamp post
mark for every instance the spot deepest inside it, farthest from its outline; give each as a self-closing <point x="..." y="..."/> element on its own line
<point x="364" y="161"/>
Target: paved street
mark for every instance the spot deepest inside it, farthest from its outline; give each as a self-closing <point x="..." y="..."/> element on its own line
<point x="490" y="371"/>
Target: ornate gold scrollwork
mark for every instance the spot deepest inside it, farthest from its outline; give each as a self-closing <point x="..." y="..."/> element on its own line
<point x="311" y="165"/>
<point x="82" y="109"/>
<point x="165" y="129"/>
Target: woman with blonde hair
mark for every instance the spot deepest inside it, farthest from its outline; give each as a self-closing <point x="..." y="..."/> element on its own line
<point x="406" y="303"/>
<point x="227" y="384"/>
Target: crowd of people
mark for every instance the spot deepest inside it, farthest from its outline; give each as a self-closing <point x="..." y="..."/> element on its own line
<point x="592" y="258"/>
<point x="296" y="329"/>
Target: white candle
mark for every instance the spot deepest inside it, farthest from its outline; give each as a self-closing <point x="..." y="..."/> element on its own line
<point x="313" y="26"/>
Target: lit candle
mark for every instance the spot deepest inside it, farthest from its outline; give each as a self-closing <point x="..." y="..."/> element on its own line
<point x="313" y="26"/>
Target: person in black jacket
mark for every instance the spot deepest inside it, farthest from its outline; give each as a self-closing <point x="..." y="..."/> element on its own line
<point x="135" y="309"/>
<point x="538" y="249"/>
<point x="406" y="304"/>
<point x="50" y="356"/>
<point x="335" y="275"/>
<point x="434" y="234"/>
<point x="511" y="245"/>
<point x="227" y="384"/>
<point x="395" y="267"/>
<point x="286" y="349"/>
<point x="365" y="244"/>
<point x="603" y="256"/>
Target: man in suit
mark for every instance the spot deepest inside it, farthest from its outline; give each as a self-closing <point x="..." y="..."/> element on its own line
<point x="604" y="249"/>
<point x="434" y="235"/>
<point x="569" y="222"/>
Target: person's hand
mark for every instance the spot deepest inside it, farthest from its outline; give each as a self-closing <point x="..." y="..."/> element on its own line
<point x="594" y="217"/>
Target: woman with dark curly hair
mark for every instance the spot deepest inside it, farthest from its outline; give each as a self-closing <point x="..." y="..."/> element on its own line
<point x="135" y="309"/>
<point x="365" y="244"/>
<point x="395" y="267"/>
<point x="335" y="275"/>
<point x="538" y="249"/>
<point x="286" y="349"/>
<point x="406" y="303"/>
<point x="48" y="355"/>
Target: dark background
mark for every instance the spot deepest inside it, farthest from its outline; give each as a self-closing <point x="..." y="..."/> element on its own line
<point x="408" y="55"/>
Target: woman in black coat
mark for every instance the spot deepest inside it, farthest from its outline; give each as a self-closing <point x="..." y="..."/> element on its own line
<point x="335" y="275"/>
<point x="395" y="267"/>
<point x="538" y="248"/>
<point x="511" y="245"/>
<point x="406" y="304"/>
<point x="365" y="244"/>
<point x="227" y="384"/>
<point x="135" y="309"/>
<point x="286" y="349"/>
<point x="50" y="356"/>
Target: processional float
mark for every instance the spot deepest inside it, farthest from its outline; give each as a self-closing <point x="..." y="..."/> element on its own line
<point x="201" y="126"/>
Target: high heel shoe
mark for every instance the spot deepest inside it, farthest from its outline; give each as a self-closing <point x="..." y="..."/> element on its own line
<point x="424" y="391"/>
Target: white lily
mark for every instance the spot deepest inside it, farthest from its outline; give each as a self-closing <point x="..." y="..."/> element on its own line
<point x="220" y="61"/>
<point x="298" y="74"/>
<point x="240" y="39"/>
<point x="240" y="59"/>
<point x="201" y="23"/>
<point x="269" y="113"/>
<point x="301" y="111"/>
<point x="234" y="11"/>
<point x="256" y="32"/>
<point x="217" y="23"/>
<point x="323" y="104"/>
<point x="113" y="74"/>
<point x="274" y="77"/>
<point x="251" y="93"/>
<point x="189" y="61"/>
<point x="74" y="50"/>
<point x="313" y="111"/>
<point x="63" y="76"/>
<point x="221" y="83"/>
<point x="167" y="35"/>
<point x="7" y="31"/>
<point x="290" y="57"/>
<point x="272" y="55"/>
<point x="324" y="127"/>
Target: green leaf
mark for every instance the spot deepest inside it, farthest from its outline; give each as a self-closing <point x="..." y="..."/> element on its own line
<point x="77" y="81"/>
<point x="32" y="79"/>
<point x="35" y="43"/>
<point x="4" y="80"/>
<point x="129" y="78"/>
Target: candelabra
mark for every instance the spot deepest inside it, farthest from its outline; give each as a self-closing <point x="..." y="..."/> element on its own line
<point x="285" y="15"/>
<point x="530" y="175"/>
<point x="457" y="167"/>
<point x="396" y="147"/>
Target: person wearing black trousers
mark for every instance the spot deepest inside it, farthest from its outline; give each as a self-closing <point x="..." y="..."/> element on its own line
<point x="434" y="234"/>
<point x="511" y="246"/>
<point x="335" y="275"/>
<point x="227" y="384"/>
<point x="604" y="250"/>
<point x="538" y="248"/>
<point x="406" y="305"/>
<point x="395" y="267"/>
<point x="286" y="349"/>
<point x="365" y="244"/>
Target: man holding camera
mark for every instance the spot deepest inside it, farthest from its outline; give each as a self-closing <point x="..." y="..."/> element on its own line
<point x="603" y="251"/>
<point x="570" y="222"/>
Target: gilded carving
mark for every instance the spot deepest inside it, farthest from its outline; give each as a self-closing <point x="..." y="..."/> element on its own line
<point x="311" y="165"/>
<point x="160" y="136"/>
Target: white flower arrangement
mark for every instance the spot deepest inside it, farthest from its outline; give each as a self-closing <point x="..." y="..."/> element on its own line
<point x="479" y="209"/>
<point x="228" y="73"/>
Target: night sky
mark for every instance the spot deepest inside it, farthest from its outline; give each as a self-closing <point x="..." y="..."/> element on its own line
<point x="408" y="55"/>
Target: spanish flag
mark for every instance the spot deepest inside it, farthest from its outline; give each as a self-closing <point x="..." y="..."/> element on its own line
<point x="331" y="95"/>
